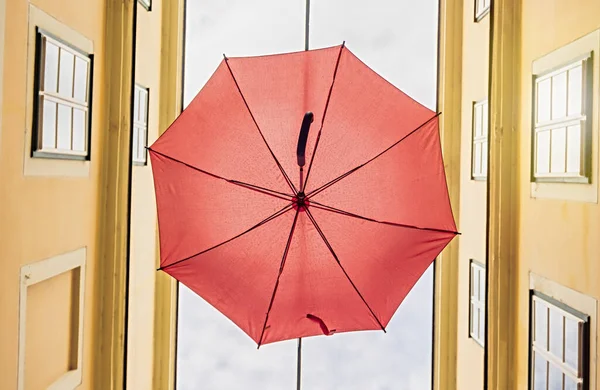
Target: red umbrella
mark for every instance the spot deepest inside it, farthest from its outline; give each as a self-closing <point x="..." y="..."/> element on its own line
<point x="290" y="232"/>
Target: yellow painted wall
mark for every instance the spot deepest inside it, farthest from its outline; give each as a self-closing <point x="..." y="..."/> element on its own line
<point x="558" y="239"/>
<point x="2" y="31"/>
<point x="142" y="269"/>
<point x="44" y="216"/>
<point x="472" y="193"/>
<point x="555" y="239"/>
<point x="50" y="208"/>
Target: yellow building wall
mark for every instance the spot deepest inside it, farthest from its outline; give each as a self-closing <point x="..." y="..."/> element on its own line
<point x="42" y="216"/>
<point x="472" y="242"/>
<point x="143" y="253"/>
<point x="62" y="295"/>
<point x="2" y="30"/>
<point x="557" y="239"/>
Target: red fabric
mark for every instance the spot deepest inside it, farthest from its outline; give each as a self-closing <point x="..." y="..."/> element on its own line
<point x="280" y="267"/>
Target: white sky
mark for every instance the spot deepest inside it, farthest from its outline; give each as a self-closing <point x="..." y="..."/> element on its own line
<point x="397" y="38"/>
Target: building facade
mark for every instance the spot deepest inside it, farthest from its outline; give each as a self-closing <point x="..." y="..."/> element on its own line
<point x="517" y="293"/>
<point x="84" y="87"/>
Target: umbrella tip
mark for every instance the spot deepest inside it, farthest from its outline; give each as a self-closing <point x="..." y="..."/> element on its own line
<point x="225" y="57"/>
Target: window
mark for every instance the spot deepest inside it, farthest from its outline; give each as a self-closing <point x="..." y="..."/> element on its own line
<point x="146" y="3"/>
<point x="480" y="140"/>
<point x="63" y="92"/>
<point x="477" y="310"/>
<point x="559" y="343"/>
<point x="140" y="125"/>
<point x="560" y="124"/>
<point x="482" y="8"/>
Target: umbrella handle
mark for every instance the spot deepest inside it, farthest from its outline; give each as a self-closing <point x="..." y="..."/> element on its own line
<point x="302" y="139"/>
<point x="301" y="149"/>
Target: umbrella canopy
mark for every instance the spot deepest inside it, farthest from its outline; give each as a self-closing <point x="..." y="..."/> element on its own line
<point x="292" y="236"/>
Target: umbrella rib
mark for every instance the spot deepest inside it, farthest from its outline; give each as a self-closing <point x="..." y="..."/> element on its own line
<point x="349" y="214"/>
<point x="269" y="218"/>
<point x="337" y="64"/>
<point x="283" y="259"/>
<point x="285" y="175"/>
<point x="332" y="182"/>
<point x="263" y="190"/>
<point x="314" y="222"/>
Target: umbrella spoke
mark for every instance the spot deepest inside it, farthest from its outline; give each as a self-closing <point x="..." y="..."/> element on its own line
<point x="352" y="215"/>
<point x="332" y="182"/>
<point x="285" y="175"/>
<point x="270" y="218"/>
<point x="314" y="222"/>
<point x="323" y="118"/>
<point x="283" y="258"/>
<point x="266" y="191"/>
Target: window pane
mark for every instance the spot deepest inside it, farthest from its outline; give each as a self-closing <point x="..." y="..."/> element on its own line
<point x="49" y="125"/>
<point x="484" y="158"/>
<point x="480" y="6"/>
<point x="543" y="100"/>
<point x="50" y="67"/>
<point x="556" y="333"/>
<point x="472" y="282"/>
<point x="477" y="121"/>
<point x="136" y="105"/>
<point x="540" y="372"/>
<point x="559" y="95"/>
<point x="481" y="285"/>
<point x="474" y="320"/>
<point x="555" y="378"/>
<point x="570" y="384"/>
<point x="477" y="163"/>
<point x="471" y="321"/>
<point x="484" y="118"/>
<point x="65" y="80"/>
<point x="574" y="149"/>
<point x="142" y="144"/>
<point x="559" y="146"/>
<point x="481" y="325"/>
<point x="135" y="149"/>
<point x="64" y="127"/>
<point x="475" y="282"/>
<point x="541" y="325"/>
<point x="572" y="343"/>
<point x="79" y="132"/>
<point x="81" y="79"/>
<point x="143" y="104"/>
<point x="543" y="152"/>
<point x="575" y="91"/>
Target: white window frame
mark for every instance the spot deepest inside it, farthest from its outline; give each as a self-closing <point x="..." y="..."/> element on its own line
<point x="139" y="154"/>
<point x="581" y="192"/>
<point x="147" y="4"/>
<point x="41" y="95"/>
<point x="581" y="119"/>
<point x="479" y="139"/>
<point x="542" y="348"/>
<point x="477" y="301"/>
<point x="578" y="302"/>
<point x="482" y="8"/>
<point x="41" y="271"/>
